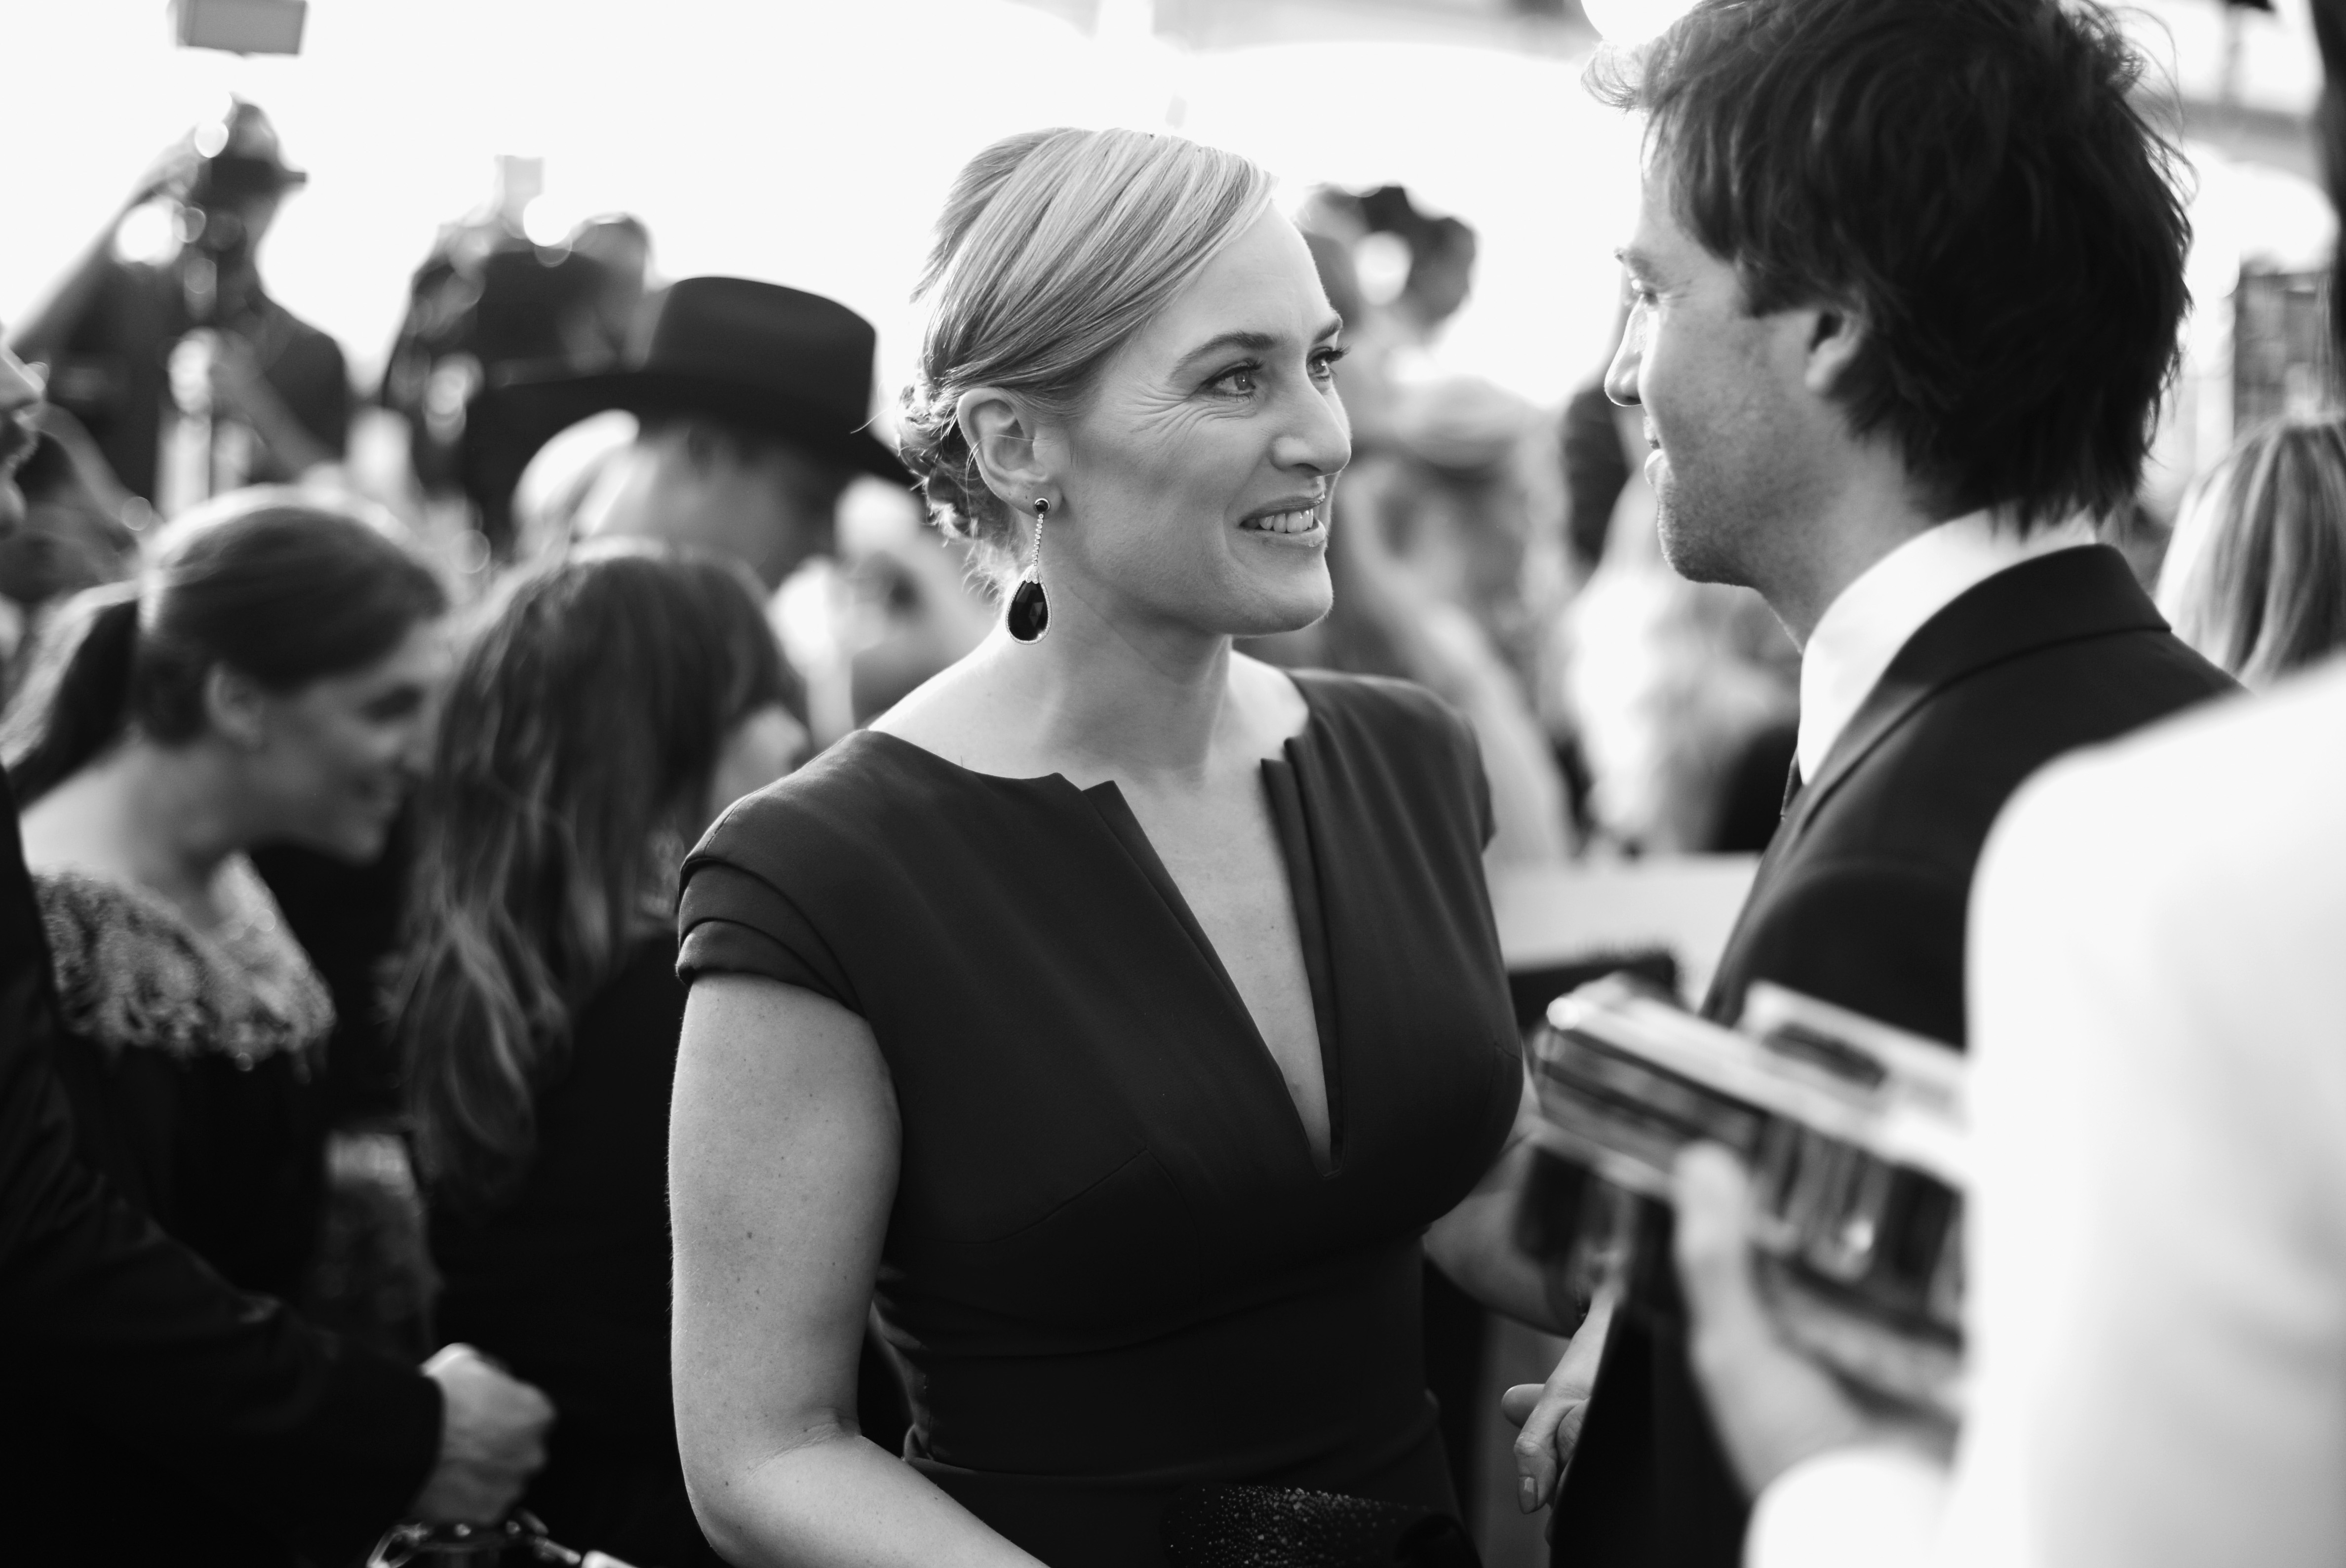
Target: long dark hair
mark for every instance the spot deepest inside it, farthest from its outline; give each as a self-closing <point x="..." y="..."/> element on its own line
<point x="583" y="726"/>
<point x="281" y="589"/>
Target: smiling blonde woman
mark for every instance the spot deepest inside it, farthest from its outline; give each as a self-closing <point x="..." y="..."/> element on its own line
<point x="1116" y="1013"/>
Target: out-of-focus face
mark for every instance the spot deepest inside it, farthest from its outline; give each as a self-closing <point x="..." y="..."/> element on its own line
<point x="20" y="398"/>
<point x="760" y="749"/>
<point x="335" y="758"/>
<point x="771" y="509"/>
<point x="1729" y="448"/>
<point x="232" y="228"/>
<point x="1198" y="475"/>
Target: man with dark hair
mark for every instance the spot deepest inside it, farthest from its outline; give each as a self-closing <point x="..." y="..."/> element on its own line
<point x="1904" y="290"/>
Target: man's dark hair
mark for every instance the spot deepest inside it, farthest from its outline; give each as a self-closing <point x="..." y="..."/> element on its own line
<point x="1975" y="181"/>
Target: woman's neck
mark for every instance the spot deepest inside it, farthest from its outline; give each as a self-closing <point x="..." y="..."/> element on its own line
<point x="163" y="817"/>
<point x="1125" y="698"/>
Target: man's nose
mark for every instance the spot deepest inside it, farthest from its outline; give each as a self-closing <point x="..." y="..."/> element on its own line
<point x="1621" y="375"/>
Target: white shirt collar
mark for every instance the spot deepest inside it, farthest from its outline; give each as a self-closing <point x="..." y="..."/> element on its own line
<point x="1864" y="629"/>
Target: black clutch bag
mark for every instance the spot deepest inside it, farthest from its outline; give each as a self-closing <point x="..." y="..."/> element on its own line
<point x="1291" y="1527"/>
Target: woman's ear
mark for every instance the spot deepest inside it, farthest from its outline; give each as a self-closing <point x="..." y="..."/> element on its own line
<point x="235" y="709"/>
<point x="1006" y="437"/>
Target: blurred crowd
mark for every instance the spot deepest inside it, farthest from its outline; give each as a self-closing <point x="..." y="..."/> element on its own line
<point x="451" y="670"/>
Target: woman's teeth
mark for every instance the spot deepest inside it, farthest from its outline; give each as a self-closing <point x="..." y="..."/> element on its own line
<point x="1301" y="522"/>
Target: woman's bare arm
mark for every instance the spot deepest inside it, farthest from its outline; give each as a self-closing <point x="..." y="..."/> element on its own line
<point x="782" y="1161"/>
<point x="1474" y="1243"/>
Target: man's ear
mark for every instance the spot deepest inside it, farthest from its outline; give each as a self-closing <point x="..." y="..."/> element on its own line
<point x="235" y="709"/>
<point x="1006" y="437"/>
<point x="1837" y="335"/>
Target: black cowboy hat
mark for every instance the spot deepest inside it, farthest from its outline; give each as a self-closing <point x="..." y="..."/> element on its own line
<point x="776" y="360"/>
<point x="238" y="155"/>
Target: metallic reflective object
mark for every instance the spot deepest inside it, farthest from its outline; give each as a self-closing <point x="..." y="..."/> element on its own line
<point x="1855" y="1135"/>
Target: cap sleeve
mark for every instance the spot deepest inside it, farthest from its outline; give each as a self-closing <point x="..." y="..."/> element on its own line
<point x="732" y="921"/>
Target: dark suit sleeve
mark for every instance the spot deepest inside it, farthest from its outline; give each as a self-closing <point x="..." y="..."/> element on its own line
<point x="1882" y="938"/>
<point x="111" y="1323"/>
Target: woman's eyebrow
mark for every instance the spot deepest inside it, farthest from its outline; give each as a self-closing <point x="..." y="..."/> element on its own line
<point x="1253" y="342"/>
<point x="1222" y="342"/>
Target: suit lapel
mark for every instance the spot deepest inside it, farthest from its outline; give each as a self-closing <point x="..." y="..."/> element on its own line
<point x="2060" y="597"/>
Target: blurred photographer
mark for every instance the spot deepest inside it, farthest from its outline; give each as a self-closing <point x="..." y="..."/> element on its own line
<point x="191" y="378"/>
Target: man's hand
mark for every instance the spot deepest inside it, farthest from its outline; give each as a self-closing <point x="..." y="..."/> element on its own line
<point x="492" y="1438"/>
<point x="1551" y="1414"/>
<point x="1772" y="1406"/>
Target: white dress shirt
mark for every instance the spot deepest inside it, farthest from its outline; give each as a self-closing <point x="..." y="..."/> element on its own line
<point x="2157" y="1315"/>
<point x="1864" y="629"/>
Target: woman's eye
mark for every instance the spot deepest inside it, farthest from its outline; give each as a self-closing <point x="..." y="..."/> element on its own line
<point x="1239" y="378"/>
<point x="1324" y="363"/>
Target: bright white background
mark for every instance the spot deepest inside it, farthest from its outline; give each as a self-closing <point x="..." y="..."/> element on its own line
<point x="811" y="141"/>
<point x="805" y="142"/>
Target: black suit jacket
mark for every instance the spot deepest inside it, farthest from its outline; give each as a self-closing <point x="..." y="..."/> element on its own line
<point x="153" y="1412"/>
<point x="1860" y="900"/>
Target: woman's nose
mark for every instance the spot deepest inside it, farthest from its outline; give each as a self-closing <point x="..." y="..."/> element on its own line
<point x="1319" y="438"/>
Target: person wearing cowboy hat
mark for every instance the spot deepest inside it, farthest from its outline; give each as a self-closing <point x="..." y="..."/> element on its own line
<point x="752" y="401"/>
<point x="274" y="390"/>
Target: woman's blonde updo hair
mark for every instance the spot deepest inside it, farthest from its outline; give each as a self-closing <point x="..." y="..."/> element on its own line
<point x="1054" y="248"/>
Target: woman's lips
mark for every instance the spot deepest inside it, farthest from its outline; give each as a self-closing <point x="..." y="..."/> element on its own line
<point x="1304" y="522"/>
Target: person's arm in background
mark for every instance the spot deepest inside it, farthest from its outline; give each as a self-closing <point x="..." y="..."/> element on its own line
<point x="42" y="329"/>
<point x="297" y="442"/>
<point x="111" y="1320"/>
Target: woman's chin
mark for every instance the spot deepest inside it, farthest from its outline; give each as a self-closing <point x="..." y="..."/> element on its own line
<point x="356" y="838"/>
<point x="1291" y="610"/>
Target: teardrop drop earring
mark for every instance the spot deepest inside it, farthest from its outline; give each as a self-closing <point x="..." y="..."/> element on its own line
<point x="1030" y="612"/>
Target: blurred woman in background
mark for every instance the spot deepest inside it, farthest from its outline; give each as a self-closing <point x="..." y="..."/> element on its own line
<point x="2255" y="576"/>
<point x="268" y="678"/>
<point x="610" y="710"/>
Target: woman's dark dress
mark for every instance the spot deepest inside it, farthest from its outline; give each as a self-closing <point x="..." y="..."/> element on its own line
<point x="1114" y="1269"/>
<point x="190" y="1057"/>
<point x="567" y="1281"/>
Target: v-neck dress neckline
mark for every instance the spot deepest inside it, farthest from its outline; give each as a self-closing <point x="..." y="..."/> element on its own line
<point x="1113" y="1268"/>
<point x="1285" y="780"/>
<point x="1291" y="826"/>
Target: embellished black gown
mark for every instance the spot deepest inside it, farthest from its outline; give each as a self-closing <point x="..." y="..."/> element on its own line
<point x="1114" y="1269"/>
